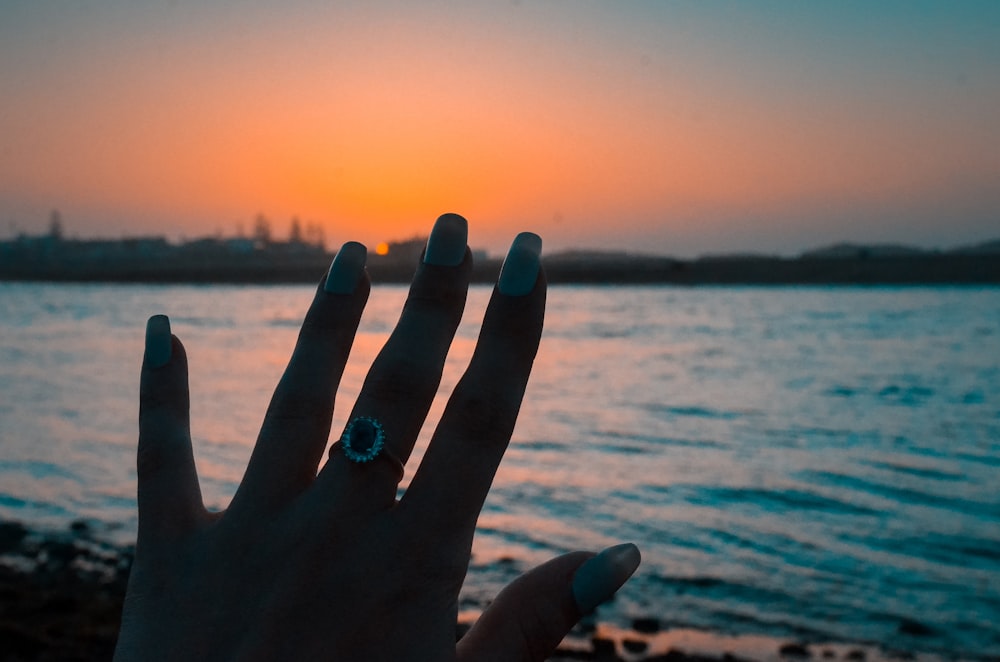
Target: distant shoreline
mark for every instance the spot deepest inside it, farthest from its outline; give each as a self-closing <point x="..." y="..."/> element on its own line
<point x="934" y="268"/>
<point x="261" y="260"/>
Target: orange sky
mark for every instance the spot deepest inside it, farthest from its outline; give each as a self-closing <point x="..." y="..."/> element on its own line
<point x="665" y="128"/>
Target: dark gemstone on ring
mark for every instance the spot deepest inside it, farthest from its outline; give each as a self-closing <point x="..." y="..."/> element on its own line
<point x="363" y="439"/>
<point x="363" y="436"/>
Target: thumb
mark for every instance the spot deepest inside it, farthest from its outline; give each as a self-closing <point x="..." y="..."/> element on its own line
<point x="533" y="613"/>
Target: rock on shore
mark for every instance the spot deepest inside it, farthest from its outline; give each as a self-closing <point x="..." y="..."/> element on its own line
<point x="60" y="594"/>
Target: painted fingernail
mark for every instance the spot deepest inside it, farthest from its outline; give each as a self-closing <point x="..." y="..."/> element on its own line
<point x="346" y="269"/>
<point x="520" y="267"/>
<point x="601" y="576"/>
<point x="446" y="245"/>
<point x="158" y="342"/>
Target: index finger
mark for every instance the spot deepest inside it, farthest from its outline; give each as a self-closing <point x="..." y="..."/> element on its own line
<point x="457" y="470"/>
<point x="297" y="424"/>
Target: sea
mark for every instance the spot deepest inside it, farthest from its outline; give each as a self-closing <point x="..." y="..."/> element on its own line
<point x="806" y="463"/>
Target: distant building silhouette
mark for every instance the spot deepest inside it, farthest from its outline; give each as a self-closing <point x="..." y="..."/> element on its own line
<point x="55" y="225"/>
<point x="261" y="231"/>
<point x="295" y="231"/>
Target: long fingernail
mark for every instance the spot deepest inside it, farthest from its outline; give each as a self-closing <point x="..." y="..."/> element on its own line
<point x="520" y="267"/>
<point x="346" y="269"/>
<point x="601" y="576"/>
<point x="446" y="245"/>
<point x="158" y="342"/>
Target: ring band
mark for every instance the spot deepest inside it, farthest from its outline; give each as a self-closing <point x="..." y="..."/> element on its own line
<point x="363" y="441"/>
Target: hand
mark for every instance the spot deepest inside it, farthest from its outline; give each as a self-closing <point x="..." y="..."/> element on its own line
<point x="330" y="565"/>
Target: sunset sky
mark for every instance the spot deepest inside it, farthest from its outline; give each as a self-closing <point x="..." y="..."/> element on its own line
<point x="661" y="127"/>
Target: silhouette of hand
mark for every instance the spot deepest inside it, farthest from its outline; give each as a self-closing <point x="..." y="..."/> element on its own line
<point x="328" y="564"/>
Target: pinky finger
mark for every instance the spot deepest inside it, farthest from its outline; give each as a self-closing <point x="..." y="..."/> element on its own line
<point x="169" y="495"/>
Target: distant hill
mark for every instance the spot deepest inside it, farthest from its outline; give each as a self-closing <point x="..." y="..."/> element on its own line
<point x="985" y="248"/>
<point x="591" y="256"/>
<point x="732" y="257"/>
<point x="850" y="251"/>
<point x="862" y="251"/>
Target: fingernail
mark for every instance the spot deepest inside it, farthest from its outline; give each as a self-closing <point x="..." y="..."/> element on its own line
<point x="158" y="342"/>
<point x="346" y="269"/>
<point x="520" y="267"/>
<point x="446" y="245"/>
<point x="601" y="576"/>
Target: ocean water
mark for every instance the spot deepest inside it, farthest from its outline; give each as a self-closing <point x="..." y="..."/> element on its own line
<point x="820" y="464"/>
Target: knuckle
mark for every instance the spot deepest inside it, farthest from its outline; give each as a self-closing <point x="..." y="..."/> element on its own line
<point x="434" y="569"/>
<point x="148" y="460"/>
<point x="324" y="323"/>
<point x="440" y="304"/>
<point x="513" y="338"/>
<point x="483" y="417"/>
<point x="154" y="397"/>
<point x="154" y="456"/>
<point x="403" y="377"/>
<point x="441" y="576"/>
<point x="439" y="286"/>
<point x="317" y="325"/>
<point x="528" y="623"/>
<point x="300" y="408"/>
<point x="162" y="396"/>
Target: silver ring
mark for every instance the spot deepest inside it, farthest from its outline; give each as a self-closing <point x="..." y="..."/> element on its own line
<point x="363" y="441"/>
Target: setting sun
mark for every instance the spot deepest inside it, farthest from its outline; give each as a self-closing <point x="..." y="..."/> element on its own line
<point x="641" y="126"/>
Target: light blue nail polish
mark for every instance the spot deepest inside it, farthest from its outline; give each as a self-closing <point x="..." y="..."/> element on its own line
<point x="346" y="269"/>
<point x="158" y="342"/>
<point x="600" y="577"/>
<point x="446" y="245"/>
<point x="520" y="267"/>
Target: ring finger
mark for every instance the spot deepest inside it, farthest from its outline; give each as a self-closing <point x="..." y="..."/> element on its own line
<point x="404" y="378"/>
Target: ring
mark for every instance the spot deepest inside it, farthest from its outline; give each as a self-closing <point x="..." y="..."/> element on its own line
<point x="364" y="440"/>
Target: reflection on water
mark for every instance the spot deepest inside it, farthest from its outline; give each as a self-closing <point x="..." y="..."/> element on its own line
<point x="805" y="462"/>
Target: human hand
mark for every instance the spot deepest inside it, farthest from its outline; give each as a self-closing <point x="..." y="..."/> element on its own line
<point x="329" y="564"/>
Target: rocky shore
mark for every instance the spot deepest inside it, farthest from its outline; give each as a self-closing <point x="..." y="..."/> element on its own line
<point x="60" y="594"/>
<point x="61" y="597"/>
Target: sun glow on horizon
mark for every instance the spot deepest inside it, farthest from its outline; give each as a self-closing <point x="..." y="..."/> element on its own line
<point x="616" y="126"/>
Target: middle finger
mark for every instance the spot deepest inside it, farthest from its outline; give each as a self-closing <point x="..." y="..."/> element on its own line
<point x="405" y="376"/>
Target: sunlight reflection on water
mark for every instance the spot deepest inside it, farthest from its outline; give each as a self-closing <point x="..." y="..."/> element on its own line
<point x="793" y="461"/>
